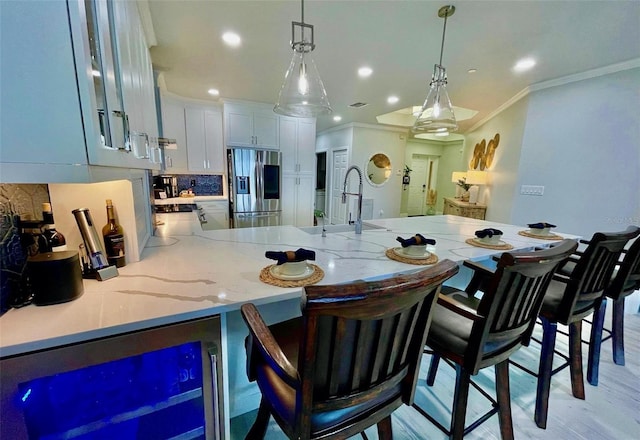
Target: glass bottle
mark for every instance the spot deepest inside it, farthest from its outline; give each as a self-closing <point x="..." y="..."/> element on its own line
<point x="51" y="239"/>
<point x="113" y="235"/>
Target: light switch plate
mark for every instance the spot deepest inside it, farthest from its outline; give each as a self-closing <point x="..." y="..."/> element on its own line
<point x="532" y="190"/>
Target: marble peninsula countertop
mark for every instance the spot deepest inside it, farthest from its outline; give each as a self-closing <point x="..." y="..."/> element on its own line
<point x="184" y="277"/>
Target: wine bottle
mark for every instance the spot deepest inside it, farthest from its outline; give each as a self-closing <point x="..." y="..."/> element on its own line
<point x="113" y="235"/>
<point x="51" y="239"/>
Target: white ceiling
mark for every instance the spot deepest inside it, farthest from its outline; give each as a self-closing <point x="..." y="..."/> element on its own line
<point x="399" y="39"/>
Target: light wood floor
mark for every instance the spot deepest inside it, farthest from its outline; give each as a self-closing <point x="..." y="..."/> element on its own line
<point x="611" y="410"/>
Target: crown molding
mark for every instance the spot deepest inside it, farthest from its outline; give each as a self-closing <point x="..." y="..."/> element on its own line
<point x="588" y="74"/>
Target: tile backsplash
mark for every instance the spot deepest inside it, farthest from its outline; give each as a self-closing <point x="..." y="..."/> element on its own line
<point x="16" y="201"/>
<point x="205" y="185"/>
<point x="24" y="200"/>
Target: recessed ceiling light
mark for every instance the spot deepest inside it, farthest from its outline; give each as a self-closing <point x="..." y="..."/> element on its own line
<point x="232" y="39"/>
<point x="365" y="72"/>
<point x="472" y="70"/>
<point x="337" y="118"/>
<point x="392" y="99"/>
<point x="214" y="92"/>
<point x="524" y="64"/>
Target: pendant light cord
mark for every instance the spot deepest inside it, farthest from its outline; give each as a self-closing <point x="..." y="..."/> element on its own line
<point x="444" y="30"/>
<point x="302" y="20"/>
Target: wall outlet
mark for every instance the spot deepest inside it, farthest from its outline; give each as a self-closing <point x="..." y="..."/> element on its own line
<point x="532" y="190"/>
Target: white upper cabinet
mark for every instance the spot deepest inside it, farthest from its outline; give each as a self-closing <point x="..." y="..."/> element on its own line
<point x="205" y="150"/>
<point x="69" y="81"/>
<point x="196" y="127"/>
<point x="251" y="125"/>
<point x="173" y="127"/>
<point x="297" y="144"/>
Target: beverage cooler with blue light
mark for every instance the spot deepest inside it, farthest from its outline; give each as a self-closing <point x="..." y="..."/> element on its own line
<point x="161" y="383"/>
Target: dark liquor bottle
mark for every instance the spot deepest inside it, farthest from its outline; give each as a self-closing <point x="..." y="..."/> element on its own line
<point x="113" y="235"/>
<point x="51" y="239"/>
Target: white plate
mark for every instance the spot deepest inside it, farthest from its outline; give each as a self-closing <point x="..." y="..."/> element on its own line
<point x="499" y="243"/>
<point x="540" y="232"/>
<point x="275" y="272"/>
<point x="399" y="251"/>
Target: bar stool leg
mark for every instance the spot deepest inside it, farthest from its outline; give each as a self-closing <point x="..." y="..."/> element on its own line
<point x="544" y="371"/>
<point x="433" y="369"/>
<point x="618" y="331"/>
<point x="504" y="400"/>
<point x="595" y="343"/>
<point x="575" y="359"/>
<point x="460" y="397"/>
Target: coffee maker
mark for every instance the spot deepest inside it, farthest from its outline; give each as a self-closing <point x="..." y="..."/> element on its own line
<point x="166" y="183"/>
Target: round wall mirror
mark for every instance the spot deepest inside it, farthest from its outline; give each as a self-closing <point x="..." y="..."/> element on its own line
<point x="378" y="169"/>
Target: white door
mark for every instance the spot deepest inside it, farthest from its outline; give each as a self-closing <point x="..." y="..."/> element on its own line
<point x="417" y="186"/>
<point x="338" y="210"/>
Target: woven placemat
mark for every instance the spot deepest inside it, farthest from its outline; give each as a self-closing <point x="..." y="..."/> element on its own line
<point x="266" y="277"/>
<point x="432" y="259"/>
<point x="472" y="242"/>
<point x="541" y="237"/>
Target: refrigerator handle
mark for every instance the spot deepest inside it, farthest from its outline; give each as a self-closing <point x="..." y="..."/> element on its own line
<point x="259" y="180"/>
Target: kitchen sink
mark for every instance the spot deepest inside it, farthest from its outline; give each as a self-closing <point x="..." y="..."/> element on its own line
<point x="316" y="230"/>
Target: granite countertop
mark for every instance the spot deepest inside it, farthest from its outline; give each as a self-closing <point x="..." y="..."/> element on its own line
<point x="205" y="273"/>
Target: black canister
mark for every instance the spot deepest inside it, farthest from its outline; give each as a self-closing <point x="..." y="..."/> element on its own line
<point x="55" y="277"/>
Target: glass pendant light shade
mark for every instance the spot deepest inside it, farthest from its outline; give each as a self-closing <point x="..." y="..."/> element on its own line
<point x="436" y="115"/>
<point x="302" y="94"/>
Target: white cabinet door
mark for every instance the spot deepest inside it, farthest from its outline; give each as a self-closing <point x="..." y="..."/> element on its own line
<point x="40" y="118"/>
<point x="265" y="129"/>
<point x="214" y="215"/>
<point x="297" y="144"/>
<point x="239" y="131"/>
<point x="214" y="147"/>
<point x="251" y="126"/>
<point x="196" y="154"/>
<point x="306" y="151"/>
<point x="288" y="144"/>
<point x="288" y="198"/>
<point x="173" y="127"/>
<point x="297" y="199"/>
<point x="204" y="140"/>
<point x="305" y="200"/>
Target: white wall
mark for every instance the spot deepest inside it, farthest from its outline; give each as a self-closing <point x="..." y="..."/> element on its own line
<point x="362" y="141"/>
<point x="370" y="140"/>
<point x="581" y="141"/>
<point x="503" y="173"/>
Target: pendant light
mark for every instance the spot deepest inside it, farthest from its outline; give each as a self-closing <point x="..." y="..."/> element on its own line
<point x="302" y="94"/>
<point x="436" y="115"/>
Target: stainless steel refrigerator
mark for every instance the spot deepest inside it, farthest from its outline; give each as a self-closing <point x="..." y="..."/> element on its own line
<point x="254" y="187"/>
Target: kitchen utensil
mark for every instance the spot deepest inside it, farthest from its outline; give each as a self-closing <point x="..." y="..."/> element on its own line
<point x="99" y="266"/>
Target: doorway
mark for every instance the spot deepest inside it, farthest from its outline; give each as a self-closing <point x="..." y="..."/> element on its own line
<point x="321" y="179"/>
<point x="423" y="183"/>
<point x="337" y="209"/>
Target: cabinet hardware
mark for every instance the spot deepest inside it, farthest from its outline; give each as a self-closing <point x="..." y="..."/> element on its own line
<point x="213" y="357"/>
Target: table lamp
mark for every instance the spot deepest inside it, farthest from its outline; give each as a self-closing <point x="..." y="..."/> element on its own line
<point x="456" y="177"/>
<point x="475" y="178"/>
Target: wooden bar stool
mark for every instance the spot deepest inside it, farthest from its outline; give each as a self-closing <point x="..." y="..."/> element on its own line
<point x="474" y="334"/>
<point x="351" y="359"/>
<point x="575" y="292"/>
<point x="626" y="281"/>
